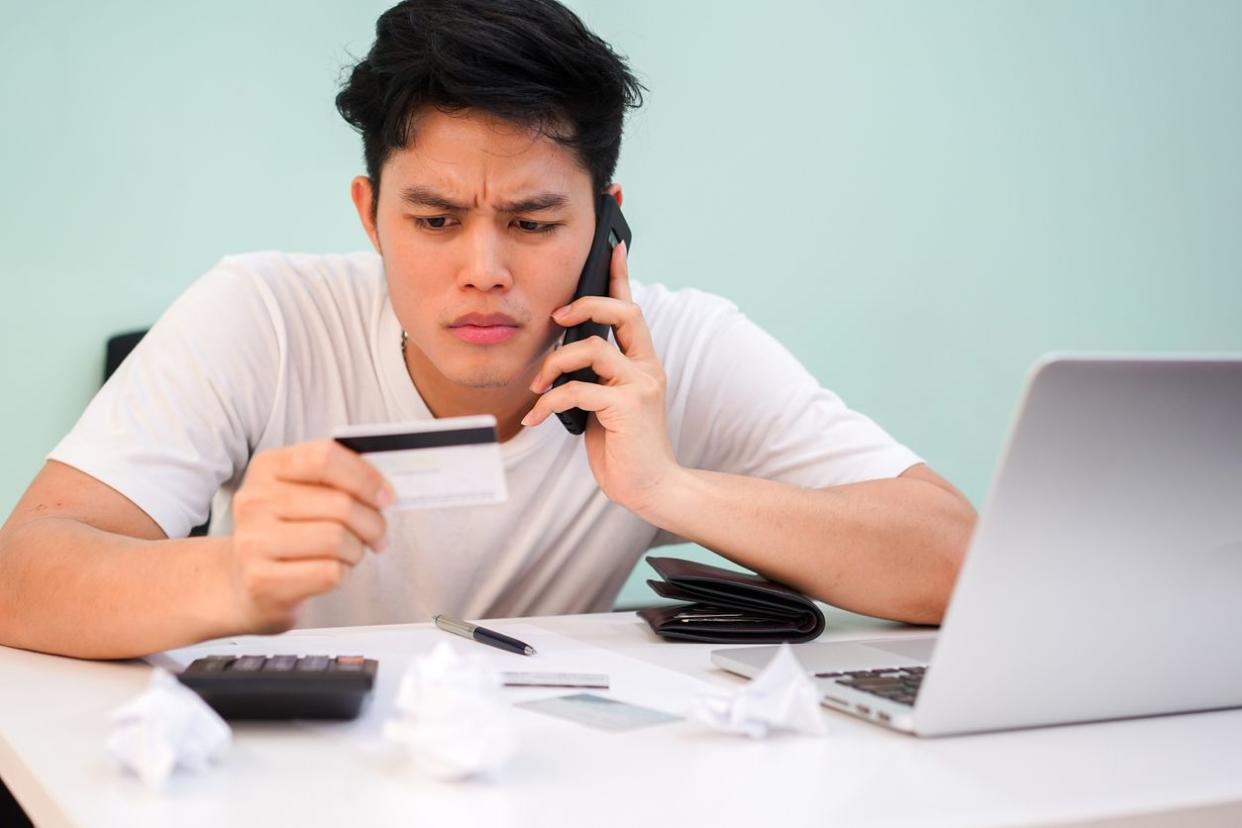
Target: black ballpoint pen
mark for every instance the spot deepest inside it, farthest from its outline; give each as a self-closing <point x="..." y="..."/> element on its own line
<point x="483" y="635"/>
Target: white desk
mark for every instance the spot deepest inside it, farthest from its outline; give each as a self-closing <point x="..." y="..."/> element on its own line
<point x="54" y="723"/>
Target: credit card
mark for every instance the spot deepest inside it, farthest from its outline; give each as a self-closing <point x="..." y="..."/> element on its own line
<point x="600" y="713"/>
<point x="433" y="464"/>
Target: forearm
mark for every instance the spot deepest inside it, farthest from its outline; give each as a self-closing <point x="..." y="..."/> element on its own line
<point x="888" y="548"/>
<point x="71" y="589"/>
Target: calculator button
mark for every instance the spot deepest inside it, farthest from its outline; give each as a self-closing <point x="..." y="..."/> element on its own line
<point x="280" y="664"/>
<point x="214" y="664"/>
<point x="315" y="663"/>
<point x="350" y="664"/>
<point x="248" y="664"/>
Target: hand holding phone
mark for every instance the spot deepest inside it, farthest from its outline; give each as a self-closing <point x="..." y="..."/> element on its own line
<point x="610" y="230"/>
<point x="630" y="453"/>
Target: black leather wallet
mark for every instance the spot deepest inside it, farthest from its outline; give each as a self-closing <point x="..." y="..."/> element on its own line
<point x="728" y="607"/>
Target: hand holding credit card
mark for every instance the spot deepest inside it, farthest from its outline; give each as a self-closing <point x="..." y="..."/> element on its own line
<point x="452" y="461"/>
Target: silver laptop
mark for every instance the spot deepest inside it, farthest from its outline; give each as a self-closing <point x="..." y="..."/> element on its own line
<point x="1104" y="580"/>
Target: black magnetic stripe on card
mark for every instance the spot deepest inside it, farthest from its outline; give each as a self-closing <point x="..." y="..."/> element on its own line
<point x="419" y="440"/>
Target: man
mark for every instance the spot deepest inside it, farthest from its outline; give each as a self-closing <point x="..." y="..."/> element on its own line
<point x="488" y="130"/>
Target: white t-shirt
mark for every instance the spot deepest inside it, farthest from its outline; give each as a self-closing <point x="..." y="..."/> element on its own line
<point x="269" y="349"/>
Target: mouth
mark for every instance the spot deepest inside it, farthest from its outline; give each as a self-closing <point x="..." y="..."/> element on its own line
<point x="484" y="328"/>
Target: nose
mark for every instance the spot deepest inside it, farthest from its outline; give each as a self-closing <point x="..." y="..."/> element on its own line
<point x="484" y="267"/>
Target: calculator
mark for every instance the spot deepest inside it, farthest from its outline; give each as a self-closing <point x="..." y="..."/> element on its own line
<point x="282" y="686"/>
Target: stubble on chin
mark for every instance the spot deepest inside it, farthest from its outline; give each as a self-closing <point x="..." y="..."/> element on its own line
<point x="486" y="380"/>
<point x="494" y="376"/>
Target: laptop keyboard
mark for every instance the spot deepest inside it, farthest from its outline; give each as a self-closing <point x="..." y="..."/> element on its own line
<point x="897" y="684"/>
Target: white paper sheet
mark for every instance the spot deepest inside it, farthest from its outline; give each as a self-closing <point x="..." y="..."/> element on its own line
<point x="632" y="680"/>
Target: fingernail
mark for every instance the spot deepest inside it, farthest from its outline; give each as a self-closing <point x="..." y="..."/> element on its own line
<point x="527" y="419"/>
<point x="380" y="545"/>
<point x="561" y="310"/>
<point x="385" y="497"/>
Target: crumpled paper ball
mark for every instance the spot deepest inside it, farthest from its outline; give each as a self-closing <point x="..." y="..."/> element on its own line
<point x="781" y="697"/>
<point x="167" y="726"/>
<point x="450" y="720"/>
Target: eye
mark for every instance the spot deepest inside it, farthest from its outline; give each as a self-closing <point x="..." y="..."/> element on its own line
<point x="432" y="222"/>
<point x="527" y="226"/>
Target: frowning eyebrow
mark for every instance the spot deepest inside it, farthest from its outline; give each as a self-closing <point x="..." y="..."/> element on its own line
<point x="427" y="197"/>
<point x="420" y="196"/>
<point x="535" y="203"/>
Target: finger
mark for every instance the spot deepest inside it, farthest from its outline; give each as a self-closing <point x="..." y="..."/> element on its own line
<point x="307" y="539"/>
<point x="290" y="582"/>
<point x="303" y="502"/>
<point x="625" y="317"/>
<point x="328" y="463"/>
<point x="619" y="273"/>
<point x="608" y="363"/>
<point x="588" y="396"/>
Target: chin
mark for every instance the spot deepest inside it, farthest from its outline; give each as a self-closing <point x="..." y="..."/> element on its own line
<point x="482" y="372"/>
<point x="485" y="379"/>
<point x="497" y="366"/>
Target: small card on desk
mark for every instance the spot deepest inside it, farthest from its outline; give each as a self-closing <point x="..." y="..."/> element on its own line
<point x="452" y="461"/>
<point x="598" y="681"/>
<point x="599" y="712"/>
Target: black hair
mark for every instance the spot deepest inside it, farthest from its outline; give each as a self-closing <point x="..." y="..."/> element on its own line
<point x="530" y="62"/>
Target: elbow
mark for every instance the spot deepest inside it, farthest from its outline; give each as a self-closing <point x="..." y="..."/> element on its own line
<point x="8" y="600"/>
<point x="949" y="553"/>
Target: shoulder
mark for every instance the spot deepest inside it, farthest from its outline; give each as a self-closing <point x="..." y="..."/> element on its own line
<point x="674" y="316"/>
<point x="294" y="280"/>
<point x="705" y="342"/>
<point x="693" y="328"/>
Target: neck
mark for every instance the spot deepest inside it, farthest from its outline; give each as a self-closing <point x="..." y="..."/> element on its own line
<point x="508" y="403"/>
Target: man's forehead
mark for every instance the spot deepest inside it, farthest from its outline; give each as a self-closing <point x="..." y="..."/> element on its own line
<point x="501" y="187"/>
<point x="418" y="185"/>
<point x="483" y="159"/>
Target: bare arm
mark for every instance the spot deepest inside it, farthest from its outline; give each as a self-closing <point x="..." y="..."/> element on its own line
<point x="888" y="548"/>
<point x="81" y="565"/>
<point x="85" y="572"/>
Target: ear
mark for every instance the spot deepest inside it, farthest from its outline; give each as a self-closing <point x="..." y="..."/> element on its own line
<point x="614" y="189"/>
<point x="360" y="192"/>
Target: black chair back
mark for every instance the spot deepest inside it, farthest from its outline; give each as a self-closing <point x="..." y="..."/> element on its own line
<point x="117" y="349"/>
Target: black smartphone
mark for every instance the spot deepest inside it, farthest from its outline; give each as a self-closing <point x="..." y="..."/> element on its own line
<point x="610" y="230"/>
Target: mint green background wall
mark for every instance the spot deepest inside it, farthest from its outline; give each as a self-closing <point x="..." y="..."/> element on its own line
<point x="918" y="198"/>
